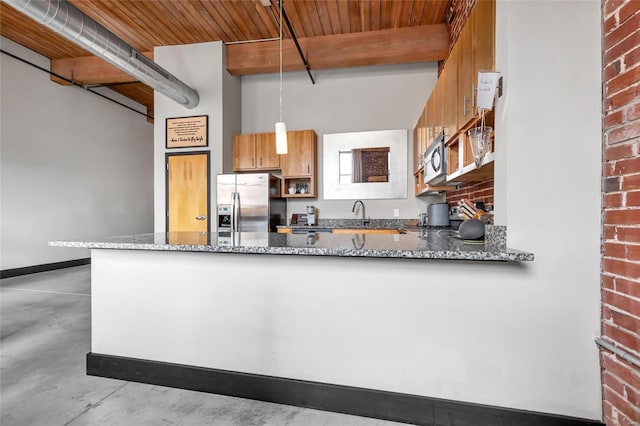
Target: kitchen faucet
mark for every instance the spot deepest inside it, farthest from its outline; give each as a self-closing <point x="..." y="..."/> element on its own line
<point x="365" y="221"/>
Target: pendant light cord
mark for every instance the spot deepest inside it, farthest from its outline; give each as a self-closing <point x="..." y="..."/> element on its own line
<point x="280" y="2"/>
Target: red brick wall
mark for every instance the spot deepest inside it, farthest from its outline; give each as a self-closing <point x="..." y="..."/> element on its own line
<point x="475" y="191"/>
<point x="456" y="16"/>
<point x="621" y="205"/>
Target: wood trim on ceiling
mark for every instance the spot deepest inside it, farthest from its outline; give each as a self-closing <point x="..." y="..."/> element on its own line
<point x="404" y="45"/>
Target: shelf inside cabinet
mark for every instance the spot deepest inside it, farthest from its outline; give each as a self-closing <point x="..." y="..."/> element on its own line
<point x="461" y="166"/>
<point x="303" y="185"/>
<point x="471" y="173"/>
<point x="420" y="188"/>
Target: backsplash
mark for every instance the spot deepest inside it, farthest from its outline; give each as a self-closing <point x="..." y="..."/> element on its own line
<point x="474" y="191"/>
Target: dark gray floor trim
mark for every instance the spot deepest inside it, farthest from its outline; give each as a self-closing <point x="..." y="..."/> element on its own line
<point x="398" y="407"/>
<point x="8" y="273"/>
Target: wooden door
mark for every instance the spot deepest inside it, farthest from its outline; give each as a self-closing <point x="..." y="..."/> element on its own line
<point x="244" y="152"/>
<point x="188" y="192"/>
<point x="266" y="156"/>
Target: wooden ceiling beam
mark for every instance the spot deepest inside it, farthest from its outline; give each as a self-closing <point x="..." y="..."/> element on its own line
<point x="394" y="46"/>
<point x="90" y="70"/>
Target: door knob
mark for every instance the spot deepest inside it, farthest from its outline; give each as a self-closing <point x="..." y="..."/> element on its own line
<point x="201" y="217"/>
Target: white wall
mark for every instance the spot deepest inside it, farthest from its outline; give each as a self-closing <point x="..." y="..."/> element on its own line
<point x="548" y="193"/>
<point x="344" y="100"/>
<point x="73" y="165"/>
<point x="202" y="67"/>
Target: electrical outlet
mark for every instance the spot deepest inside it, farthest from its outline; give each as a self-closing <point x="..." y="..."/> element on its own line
<point x="396" y="212"/>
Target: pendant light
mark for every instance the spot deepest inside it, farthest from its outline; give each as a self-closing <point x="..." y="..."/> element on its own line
<point x="281" y="128"/>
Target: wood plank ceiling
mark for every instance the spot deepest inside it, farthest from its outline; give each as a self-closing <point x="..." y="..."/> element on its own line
<point x="322" y="26"/>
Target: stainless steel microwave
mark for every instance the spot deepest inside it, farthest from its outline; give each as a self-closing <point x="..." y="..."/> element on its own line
<point x="435" y="162"/>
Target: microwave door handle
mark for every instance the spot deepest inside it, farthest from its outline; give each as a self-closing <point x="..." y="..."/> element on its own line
<point x="437" y="156"/>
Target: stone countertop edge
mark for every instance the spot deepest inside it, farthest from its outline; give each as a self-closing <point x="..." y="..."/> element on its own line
<point x="509" y="255"/>
<point x="488" y="254"/>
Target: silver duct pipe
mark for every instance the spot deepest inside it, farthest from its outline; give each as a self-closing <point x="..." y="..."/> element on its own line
<point x="68" y="21"/>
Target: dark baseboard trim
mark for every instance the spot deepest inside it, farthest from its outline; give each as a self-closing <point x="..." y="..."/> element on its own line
<point x="377" y="404"/>
<point x="8" y="273"/>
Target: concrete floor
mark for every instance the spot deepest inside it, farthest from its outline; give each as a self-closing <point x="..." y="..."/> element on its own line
<point x="45" y="335"/>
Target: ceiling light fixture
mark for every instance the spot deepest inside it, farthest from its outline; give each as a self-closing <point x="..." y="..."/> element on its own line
<point x="281" y="128"/>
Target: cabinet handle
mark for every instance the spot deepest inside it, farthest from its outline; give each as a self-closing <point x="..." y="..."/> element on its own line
<point x="253" y="162"/>
<point x="308" y="168"/>
<point x="260" y="162"/>
<point x="464" y="106"/>
<point x="473" y="96"/>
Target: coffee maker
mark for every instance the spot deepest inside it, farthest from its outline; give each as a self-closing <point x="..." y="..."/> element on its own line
<point x="311" y="216"/>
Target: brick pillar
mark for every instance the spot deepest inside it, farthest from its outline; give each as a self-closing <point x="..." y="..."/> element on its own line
<point x="621" y="203"/>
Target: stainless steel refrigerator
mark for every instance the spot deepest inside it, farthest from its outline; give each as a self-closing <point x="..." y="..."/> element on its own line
<point x="250" y="203"/>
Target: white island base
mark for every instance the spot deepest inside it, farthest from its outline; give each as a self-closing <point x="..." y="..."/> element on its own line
<point x="398" y="339"/>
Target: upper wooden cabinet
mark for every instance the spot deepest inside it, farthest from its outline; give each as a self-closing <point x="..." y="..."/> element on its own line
<point x="449" y="77"/>
<point x="437" y="111"/>
<point x="255" y="152"/>
<point x="484" y="35"/>
<point x="299" y="164"/>
<point x="300" y="159"/>
<point x="420" y="141"/>
<point x="451" y="107"/>
<point x="467" y="75"/>
<point x="477" y="40"/>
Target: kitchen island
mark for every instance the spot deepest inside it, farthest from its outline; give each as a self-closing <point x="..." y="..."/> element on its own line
<point x="376" y="325"/>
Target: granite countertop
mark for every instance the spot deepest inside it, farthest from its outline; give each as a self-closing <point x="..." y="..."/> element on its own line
<point x="356" y="224"/>
<point x="422" y="244"/>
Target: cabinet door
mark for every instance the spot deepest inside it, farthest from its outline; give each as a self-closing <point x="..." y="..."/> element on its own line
<point x="438" y="110"/>
<point x="300" y="159"/>
<point x="484" y="19"/>
<point x="424" y="132"/>
<point x="244" y="152"/>
<point x="266" y="157"/>
<point x="419" y="140"/>
<point x="416" y="147"/>
<point x="429" y="122"/>
<point x="449" y="76"/>
<point x="467" y="77"/>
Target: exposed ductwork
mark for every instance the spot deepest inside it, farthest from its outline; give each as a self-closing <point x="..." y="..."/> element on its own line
<point x="68" y="21"/>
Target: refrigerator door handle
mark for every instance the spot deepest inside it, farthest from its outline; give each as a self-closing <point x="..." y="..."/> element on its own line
<point x="235" y="212"/>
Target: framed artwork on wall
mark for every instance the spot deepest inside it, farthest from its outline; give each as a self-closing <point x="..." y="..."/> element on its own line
<point x="187" y="132"/>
